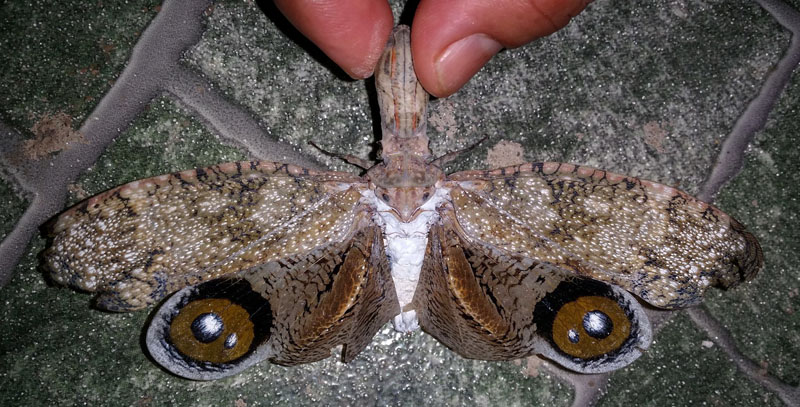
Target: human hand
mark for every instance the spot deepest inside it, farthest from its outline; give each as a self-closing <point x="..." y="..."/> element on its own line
<point x="451" y="39"/>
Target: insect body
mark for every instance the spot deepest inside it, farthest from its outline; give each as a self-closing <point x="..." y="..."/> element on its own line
<point x="277" y="262"/>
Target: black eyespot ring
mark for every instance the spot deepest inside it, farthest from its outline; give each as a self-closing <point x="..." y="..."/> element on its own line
<point x="213" y="330"/>
<point x="590" y="326"/>
<point x="586" y="320"/>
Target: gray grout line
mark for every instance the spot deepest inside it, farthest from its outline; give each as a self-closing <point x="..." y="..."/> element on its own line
<point x="589" y="389"/>
<point x="232" y="122"/>
<point x="153" y="68"/>
<point x="41" y="201"/>
<point x="176" y="27"/>
<point x="731" y="157"/>
<point x="729" y="163"/>
<point x="723" y="338"/>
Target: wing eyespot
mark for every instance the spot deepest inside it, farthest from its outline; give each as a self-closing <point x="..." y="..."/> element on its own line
<point x="590" y="326"/>
<point x="212" y="330"/>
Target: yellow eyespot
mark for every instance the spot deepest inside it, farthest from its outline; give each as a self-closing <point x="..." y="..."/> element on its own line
<point x="212" y="330"/>
<point x="590" y="326"/>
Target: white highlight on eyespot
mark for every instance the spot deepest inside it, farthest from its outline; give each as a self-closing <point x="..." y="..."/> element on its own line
<point x="210" y="324"/>
<point x="594" y="322"/>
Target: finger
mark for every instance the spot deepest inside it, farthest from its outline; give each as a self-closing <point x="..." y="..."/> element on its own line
<point x="350" y="32"/>
<point x="453" y="39"/>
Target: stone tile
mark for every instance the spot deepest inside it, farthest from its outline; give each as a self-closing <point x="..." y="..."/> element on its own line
<point x="250" y="59"/>
<point x="683" y="368"/>
<point x="13" y="207"/>
<point x="162" y="140"/>
<point x="63" y="59"/>
<point x="647" y="89"/>
<point x="764" y="316"/>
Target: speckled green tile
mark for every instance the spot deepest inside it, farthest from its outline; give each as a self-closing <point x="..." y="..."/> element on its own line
<point x="659" y="112"/>
<point x="297" y="99"/>
<point x="764" y="316"/>
<point x="63" y="57"/>
<point x="385" y="374"/>
<point x="11" y="208"/>
<point x="52" y="348"/>
<point x="649" y="89"/>
<point x="678" y="370"/>
<point x="162" y="140"/>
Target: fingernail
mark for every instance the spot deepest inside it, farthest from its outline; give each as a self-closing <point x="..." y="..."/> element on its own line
<point x="462" y="59"/>
<point x="360" y="72"/>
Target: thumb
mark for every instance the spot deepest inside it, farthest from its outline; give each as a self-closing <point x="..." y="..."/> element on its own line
<point x="453" y="39"/>
<point x="352" y="33"/>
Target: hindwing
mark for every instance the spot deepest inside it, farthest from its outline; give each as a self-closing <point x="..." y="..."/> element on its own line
<point x="486" y="304"/>
<point x="289" y="311"/>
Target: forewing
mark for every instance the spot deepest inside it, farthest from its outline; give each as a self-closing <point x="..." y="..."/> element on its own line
<point x="655" y="241"/>
<point x="486" y="304"/>
<point x="290" y="311"/>
<point x="138" y="242"/>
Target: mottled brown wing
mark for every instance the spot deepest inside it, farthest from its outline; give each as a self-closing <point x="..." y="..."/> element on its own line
<point x="655" y="241"/>
<point x="290" y="311"/>
<point x="486" y="304"/>
<point x="138" y="242"/>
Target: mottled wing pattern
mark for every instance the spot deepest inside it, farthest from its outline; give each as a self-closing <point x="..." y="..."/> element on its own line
<point x="339" y="298"/>
<point x="655" y="241"/>
<point x="484" y="303"/>
<point x="138" y="242"/>
<point x="499" y="325"/>
<point x="290" y="311"/>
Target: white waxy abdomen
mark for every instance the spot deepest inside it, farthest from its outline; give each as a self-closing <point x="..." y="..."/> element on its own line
<point x="405" y="247"/>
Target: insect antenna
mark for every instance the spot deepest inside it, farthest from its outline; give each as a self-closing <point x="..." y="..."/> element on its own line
<point x="442" y="160"/>
<point x="348" y="158"/>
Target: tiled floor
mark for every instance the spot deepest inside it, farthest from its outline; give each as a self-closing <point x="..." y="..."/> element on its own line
<point x="674" y="91"/>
